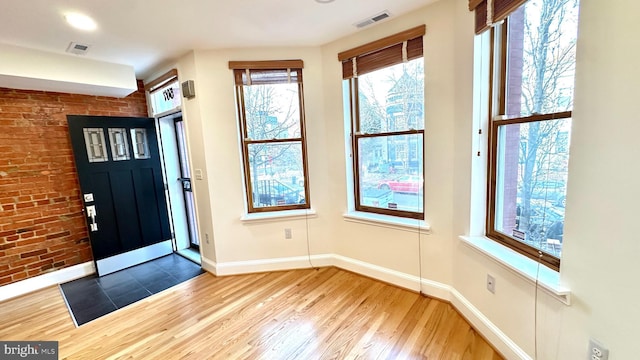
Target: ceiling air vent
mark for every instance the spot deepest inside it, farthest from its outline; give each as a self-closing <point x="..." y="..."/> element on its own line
<point x="77" y="48"/>
<point x="373" y="19"/>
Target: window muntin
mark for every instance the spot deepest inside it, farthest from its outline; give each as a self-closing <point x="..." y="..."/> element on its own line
<point x="140" y="144"/>
<point x="96" y="145"/>
<point x="119" y="144"/>
<point x="270" y="107"/>
<point x="388" y="139"/>
<point x="531" y="127"/>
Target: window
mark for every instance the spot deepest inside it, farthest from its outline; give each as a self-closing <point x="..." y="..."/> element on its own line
<point x="271" y="113"/>
<point x="119" y="146"/>
<point x="385" y="81"/>
<point x="164" y="93"/>
<point x="532" y="71"/>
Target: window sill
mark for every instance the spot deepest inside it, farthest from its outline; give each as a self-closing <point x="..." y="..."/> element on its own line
<point x="386" y="221"/>
<point x="278" y="216"/>
<point x="548" y="279"/>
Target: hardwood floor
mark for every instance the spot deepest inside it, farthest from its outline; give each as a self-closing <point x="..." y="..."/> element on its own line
<point x="301" y="314"/>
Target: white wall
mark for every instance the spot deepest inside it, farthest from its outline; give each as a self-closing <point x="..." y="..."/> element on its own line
<point x="217" y="150"/>
<point x="599" y="261"/>
<point x="394" y="249"/>
<point x="29" y="69"/>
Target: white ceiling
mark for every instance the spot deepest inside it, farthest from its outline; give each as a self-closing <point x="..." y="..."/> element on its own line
<point x="147" y="33"/>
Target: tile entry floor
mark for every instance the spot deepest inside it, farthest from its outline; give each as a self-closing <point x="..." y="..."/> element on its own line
<point x="90" y="297"/>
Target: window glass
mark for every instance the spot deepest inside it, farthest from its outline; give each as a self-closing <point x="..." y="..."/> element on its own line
<point x="272" y="135"/>
<point x="276" y="174"/>
<point x="272" y="111"/>
<point x="531" y="128"/>
<point x="95" y="143"/>
<point x="392" y="98"/>
<point x="140" y="144"/>
<point x="119" y="144"/>
<point x="166" y="98"/>
<point x="542" y="55"/>
<point x="390" y="175"/>
<point x="532" y="183"/>
<point x="389" y="141"/>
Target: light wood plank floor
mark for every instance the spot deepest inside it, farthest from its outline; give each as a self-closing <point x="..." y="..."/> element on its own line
<point x="301" y="314"/>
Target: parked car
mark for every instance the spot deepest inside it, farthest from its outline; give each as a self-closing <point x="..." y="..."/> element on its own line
<point x="406" y="184"/>
<point x="273" y="192"/>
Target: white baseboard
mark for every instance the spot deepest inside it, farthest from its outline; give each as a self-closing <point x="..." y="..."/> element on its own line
<point x="277" y="264"/>
<point x="489" y="330"/>
<point x="394" y="277"/>
<point x="45" y="280"/>
<point x="209" y="265"/>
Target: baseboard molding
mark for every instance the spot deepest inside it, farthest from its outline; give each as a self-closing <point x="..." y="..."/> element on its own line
<point x="209" y="265"/>
<point x="394" y="277"/>
<point x="431" y="288"/>
<point x="277" y="264"/>
<point x="489" y="330"/>
<point x="45" y="280"/>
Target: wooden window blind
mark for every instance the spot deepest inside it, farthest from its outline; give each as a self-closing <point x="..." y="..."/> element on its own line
<point x="382" y="53"/>
<point x="163" y="79"/>
<point x="489" y="12"/>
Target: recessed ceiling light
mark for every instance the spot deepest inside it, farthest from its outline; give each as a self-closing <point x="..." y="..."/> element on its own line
<point x="324" y="1"/>
<point x="80" y="21"/>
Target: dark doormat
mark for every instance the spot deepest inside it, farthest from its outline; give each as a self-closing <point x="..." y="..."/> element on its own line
<point x="91" y="297"/>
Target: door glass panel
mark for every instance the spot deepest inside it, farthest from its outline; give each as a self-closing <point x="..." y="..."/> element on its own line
<point x="140" y="144"/>
<point x="119" y="145"/>
<point x="95" y="144"/>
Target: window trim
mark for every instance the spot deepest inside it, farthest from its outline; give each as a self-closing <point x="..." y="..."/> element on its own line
<point x="245" y="142"/>
<point x="497" y="107"/>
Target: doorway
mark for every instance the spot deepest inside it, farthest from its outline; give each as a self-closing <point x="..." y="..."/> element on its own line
<point x="179" y="186"/>
<point x="120" y="174"/>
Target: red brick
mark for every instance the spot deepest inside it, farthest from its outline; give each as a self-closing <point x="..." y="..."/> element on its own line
<point x="33" y="253"/>
<point x="40" y="264"/>
<point x="19" y="276"/>
<point x="27" y="242"/>
<point x="27" y="235"/>
<point x="41" y="195"/>
<point x="11" y="271"/>
<point x="52" y="254"/>
<point x="61" y="234"/>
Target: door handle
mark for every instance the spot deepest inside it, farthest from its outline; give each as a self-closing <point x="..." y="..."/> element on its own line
<point x="91" y="214"/>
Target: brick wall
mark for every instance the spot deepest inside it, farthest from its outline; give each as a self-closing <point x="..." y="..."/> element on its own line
<point x="42" y="226"/>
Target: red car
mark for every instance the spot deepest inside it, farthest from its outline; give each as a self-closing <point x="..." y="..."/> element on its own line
<point x="405" y="184"/>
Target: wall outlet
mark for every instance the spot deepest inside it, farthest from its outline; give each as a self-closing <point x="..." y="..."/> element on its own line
<point x="206" y="238"/>
<point x="597" y="351"/>
<point x="491" y="284"/>
<point x="287" y="233"/>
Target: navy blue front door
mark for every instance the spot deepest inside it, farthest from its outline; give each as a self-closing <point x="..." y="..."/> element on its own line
<point x="120" y="174"/>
